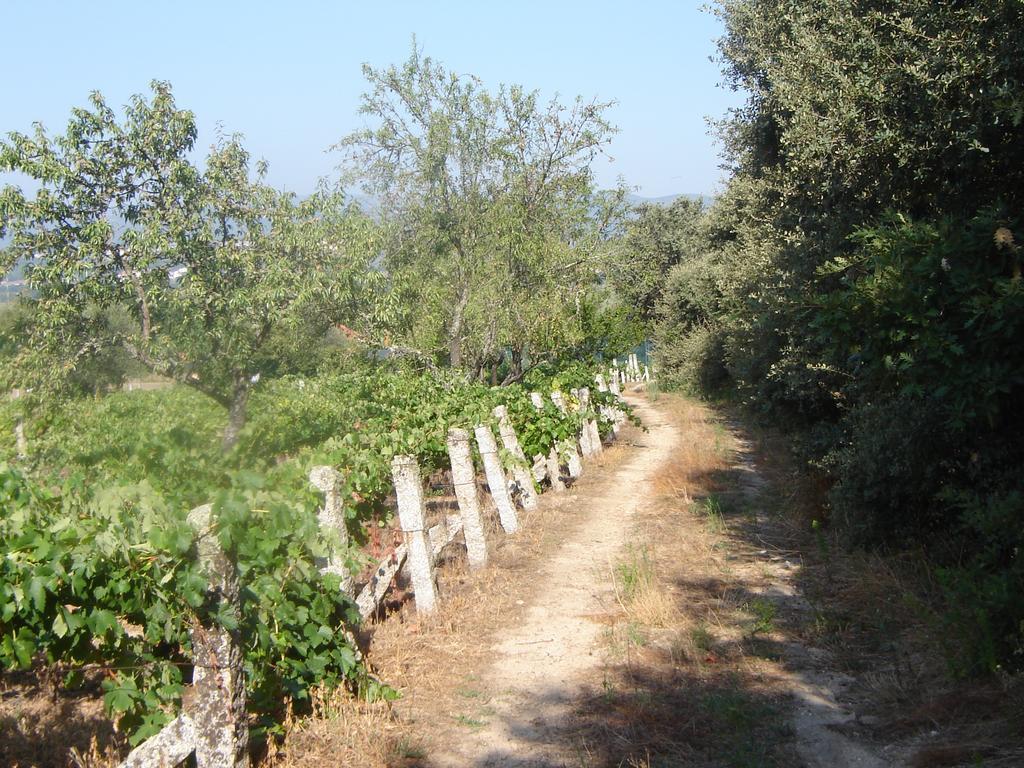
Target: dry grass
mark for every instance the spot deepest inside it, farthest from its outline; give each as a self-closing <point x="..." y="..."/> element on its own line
<point x="878" y="614"/>
<point x="700" y="458"/>
<point x="46" y="726"/>
<point x="435" y="663"/>
<point x="341" y="731"/>
<point x="679" y="685"/>
<point x="641" y="595"/>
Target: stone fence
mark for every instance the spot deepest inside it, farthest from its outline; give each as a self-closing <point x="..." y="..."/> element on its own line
<point x="213" y="727"/>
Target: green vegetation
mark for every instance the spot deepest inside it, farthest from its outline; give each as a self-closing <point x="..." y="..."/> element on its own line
<point x="494" y="228"/>
<point x="97" y="539"/>
<point x="859" y="279"/>
<point x="190" y="273"/>
<point x="290" y="334"/>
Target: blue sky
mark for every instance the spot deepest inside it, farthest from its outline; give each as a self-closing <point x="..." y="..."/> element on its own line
<point x="287" y="75"/>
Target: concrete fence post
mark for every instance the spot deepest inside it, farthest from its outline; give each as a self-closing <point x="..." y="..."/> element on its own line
<point x="586" y="436"/>
<point x="411" y="514"/>
<point x="220" y="725"/>
<point x="569" y="448"/>
<point x="21" y="444"/>
<point x="497" y="482"/>
<point x="552" y="462"/>
<point x="609" y="413"/>
<point x="332" y="522"/>
<point x="464" y="480"/>
<point x="523" y="476"/>
<point x="590" y="425"/>
<point x="554" y="466"/>
<point x="19" y="439"/>
<point x="541" y="465"/>
<point x="585" y="447"/>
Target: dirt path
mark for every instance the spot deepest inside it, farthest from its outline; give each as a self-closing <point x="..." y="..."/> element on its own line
<point x="807" y="674"/>
<point x="540" y="665"/>
<point x="670" y="609"/>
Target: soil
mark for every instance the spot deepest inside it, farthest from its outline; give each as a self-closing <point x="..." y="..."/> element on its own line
<point x="540" y="679"/>
<point x="675" y="607"/>
<point x="540" y="664"/>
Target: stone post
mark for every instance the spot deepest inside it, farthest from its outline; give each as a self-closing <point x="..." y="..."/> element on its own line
<point x="584" y="437"/>
<point x="19" y="439"/>
<point x="647" y="373"/>
<point x="614" y="385"/>
<point x="21" y="444"/>
<point x="539" y="470"/>
<point x="609" y="413"/>
<point x="221" y="729"/>
<point x="523" y="476"/>
<point x="496" y="480"/>
<point x="170" y="747"/>
<point x="332" y="522"/>
<point x="586" y="446"/>
<point x="559" y="400"/>
<point x="554" y="465"/>
<point x="552" y="462"/>
<point x="541" y="465"/>
<point x="569" y="447"/>
<point x="464" y="480"/>
<point x="411" y="512"/>
<point x="590" y="425"/>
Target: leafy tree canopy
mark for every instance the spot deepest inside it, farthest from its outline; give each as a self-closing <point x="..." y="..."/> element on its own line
<point x="494" y="224"/>
<point x="206" y="263"/>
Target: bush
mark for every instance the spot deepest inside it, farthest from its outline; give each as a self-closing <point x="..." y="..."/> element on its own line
<point x="985" y="595"/>
<point x="693" y="362"/>
<point x="895" y="459"/>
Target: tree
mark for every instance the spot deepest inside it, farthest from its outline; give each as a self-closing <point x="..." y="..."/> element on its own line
<point x="207" y="263"/>
<point x="657" y="238"/>
<point x="866" y="282"/>
<point x="491" y="208"/>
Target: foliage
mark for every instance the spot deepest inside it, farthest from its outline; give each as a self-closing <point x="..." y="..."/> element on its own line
<point x="108" y="548"/>
<point x="858" y="280"/>
<point x="494" y="223"/>
<point x="656" y="239"/>
<point x="204" y="265"/>
<point x="106" y="580"/>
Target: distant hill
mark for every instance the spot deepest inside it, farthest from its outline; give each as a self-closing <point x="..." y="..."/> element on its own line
<point x="668" y="199"/>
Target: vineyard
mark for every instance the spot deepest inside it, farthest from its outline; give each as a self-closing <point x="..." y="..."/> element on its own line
<point x="257" y="424"/>
<point x="101" y="573"/>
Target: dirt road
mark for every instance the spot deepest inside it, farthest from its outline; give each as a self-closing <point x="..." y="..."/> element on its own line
<point x="538" y="666"/>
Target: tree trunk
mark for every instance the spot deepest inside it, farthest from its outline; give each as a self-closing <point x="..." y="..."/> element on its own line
<point x="237" y="413"/>
<point x="455" y="328"/>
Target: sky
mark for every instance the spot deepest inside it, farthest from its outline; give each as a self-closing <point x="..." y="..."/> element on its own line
<point x="288" y="75"/>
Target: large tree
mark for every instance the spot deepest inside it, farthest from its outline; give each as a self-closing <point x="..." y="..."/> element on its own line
<point x="494" y="219"/>
<point x="206" y="262"/>
<point x="865" y="274"/>
<point x="657" y="237"/>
